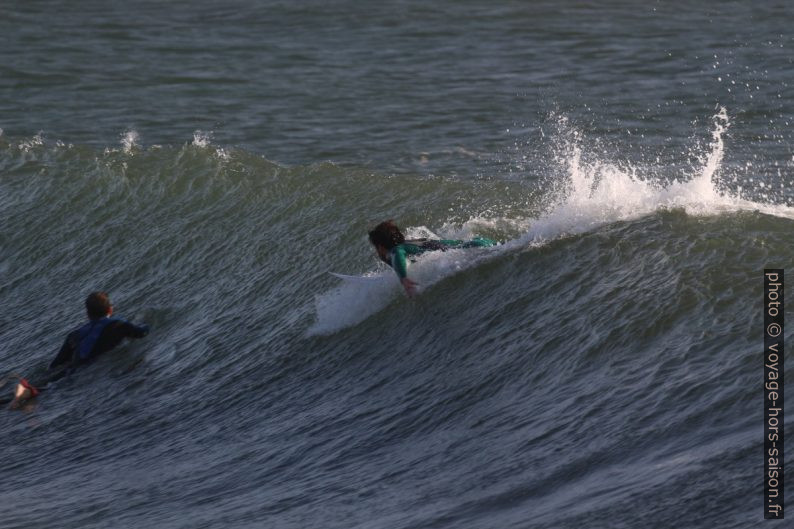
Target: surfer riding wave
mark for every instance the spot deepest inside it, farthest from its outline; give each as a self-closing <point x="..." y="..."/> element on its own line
<point x="394" y="250"/>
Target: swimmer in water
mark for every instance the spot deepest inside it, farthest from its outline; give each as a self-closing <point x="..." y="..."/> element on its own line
<point x="83" y="345"/>
<point x="393" y="249"/>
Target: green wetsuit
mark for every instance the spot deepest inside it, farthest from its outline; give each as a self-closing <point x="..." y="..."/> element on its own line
<point x="398" y="255"/>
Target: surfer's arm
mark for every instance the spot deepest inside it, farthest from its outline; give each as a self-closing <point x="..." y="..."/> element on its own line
<point x="113" y="335"/>
<point x="135" y="331"/>
<point x="66" y="354"/>
<point x="398" y="262"/>
<point x="409" y="286"/>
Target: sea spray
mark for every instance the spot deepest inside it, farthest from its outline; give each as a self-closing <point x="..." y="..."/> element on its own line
<point x="584" y="196"/>
<point x="129" y="141"/>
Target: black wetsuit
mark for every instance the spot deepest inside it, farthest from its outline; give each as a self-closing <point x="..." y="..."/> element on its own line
<point x="85" y="344"/>
<point x="82" y="346"/>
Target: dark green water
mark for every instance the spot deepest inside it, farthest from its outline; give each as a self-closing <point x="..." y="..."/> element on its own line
<point x="209" y="164"/>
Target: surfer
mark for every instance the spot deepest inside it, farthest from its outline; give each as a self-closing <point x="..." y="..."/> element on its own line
<point x="393" y="249"/>
<point x="83" y="345"/>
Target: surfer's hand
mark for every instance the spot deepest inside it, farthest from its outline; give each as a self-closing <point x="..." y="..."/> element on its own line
<point x="409" y="286"/>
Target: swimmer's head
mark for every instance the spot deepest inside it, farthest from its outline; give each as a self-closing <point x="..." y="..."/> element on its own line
<point x="386" y="234"/>
<point x="98" y="305"/>
<point x="384" y="237"/>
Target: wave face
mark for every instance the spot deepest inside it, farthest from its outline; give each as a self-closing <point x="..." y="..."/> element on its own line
<point x="608" y="345"/>
<point x="599" y="368"/>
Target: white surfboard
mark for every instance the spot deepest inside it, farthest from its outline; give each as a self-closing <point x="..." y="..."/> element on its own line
<point x="358" y="279"/>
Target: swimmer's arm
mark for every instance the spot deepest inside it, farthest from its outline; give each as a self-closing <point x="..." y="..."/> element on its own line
<point x="135" y="331"/>
<point x="398" y="262"/>
<point x="65" y="355"/>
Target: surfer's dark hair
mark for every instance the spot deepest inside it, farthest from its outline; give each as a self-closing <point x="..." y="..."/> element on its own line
<point x="386" y="234"/>
<point x="97" y="305"/>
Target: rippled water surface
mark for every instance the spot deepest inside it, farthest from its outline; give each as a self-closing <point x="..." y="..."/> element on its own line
<point x="209" y="163"/>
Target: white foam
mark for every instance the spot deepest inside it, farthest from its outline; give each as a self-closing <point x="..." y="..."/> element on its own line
<point x="353" y="301"/>
<point x="129" y="140"/>
<point x="202" y="139"/>
<point x="588" y="196"/>
<point x="600" y="193"/>
<point x="35" y="141"/>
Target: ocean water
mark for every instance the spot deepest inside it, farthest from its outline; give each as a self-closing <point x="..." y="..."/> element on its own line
<point x="208" y="164"/>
